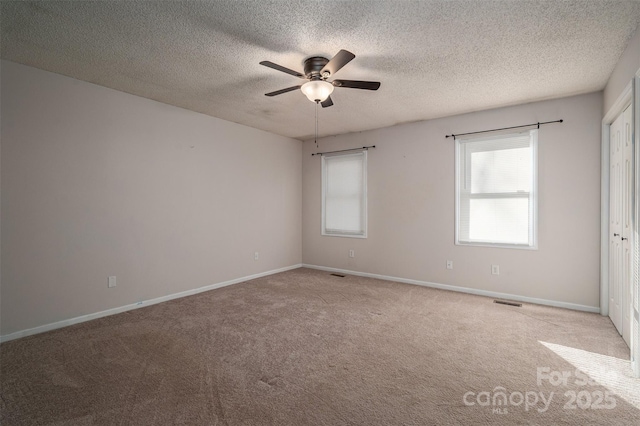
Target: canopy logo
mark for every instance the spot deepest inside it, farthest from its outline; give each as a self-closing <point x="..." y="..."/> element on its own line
<point x="500" y="401"/>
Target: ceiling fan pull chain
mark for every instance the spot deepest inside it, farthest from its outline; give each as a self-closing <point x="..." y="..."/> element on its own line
<point x="316" y="139"/>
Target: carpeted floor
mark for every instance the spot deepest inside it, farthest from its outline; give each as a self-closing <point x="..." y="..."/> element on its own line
<point x="307" y="348"/>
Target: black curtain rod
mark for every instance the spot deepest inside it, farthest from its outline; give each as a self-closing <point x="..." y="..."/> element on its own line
<point x="504" y="128"/>
<point x="343" y="150"/>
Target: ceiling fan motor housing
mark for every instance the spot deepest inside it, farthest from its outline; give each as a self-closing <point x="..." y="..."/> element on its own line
<point x="313" y="66"/>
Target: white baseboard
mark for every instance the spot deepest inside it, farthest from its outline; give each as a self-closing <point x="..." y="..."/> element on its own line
<point x="468" y="290"/>
<point x="113" y="311"/>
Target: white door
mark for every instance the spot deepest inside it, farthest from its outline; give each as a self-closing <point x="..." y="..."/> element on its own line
<point x="615" y="223"/>
<point x="621" y="225"/>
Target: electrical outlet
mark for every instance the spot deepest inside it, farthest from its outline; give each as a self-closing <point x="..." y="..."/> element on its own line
<point x="256" y="256"/>
<point x="449" y="264"/>
<point x="111" y="281"/>
<point x="495" y="269"/>
<point x="352" y="253"/>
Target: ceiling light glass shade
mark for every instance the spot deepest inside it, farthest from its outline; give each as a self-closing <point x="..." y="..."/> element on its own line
<point x="317" y="90"/>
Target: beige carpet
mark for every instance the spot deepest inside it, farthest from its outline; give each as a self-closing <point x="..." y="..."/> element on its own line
<point x="307" y="348"/>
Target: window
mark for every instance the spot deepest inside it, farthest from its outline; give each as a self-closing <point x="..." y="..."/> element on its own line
<point x="344" y="195"/>
<point x="496" y="199"/>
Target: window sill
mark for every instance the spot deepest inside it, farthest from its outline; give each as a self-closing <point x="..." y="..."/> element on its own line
<point x="325" y="234"/>
<point x="498" y="245"/>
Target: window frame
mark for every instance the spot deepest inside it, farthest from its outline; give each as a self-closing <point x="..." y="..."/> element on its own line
<point x="533" y="194"/>
<point x="324" y="178"/>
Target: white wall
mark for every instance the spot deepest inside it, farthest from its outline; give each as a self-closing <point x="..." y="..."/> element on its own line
<point x="623" y="72"/>
<point x="411" y="205"/>
<point x="97" y="182"/>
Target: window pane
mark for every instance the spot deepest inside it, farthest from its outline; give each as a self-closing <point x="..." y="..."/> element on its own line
<point x="343" y="215"/>
<point x="504" y="220"/>
<point x="506" y="170"/>
<point x="344" y="177"/>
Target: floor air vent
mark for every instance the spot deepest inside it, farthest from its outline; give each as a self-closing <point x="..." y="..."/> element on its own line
<point x="338" y="275"/>
<point x="504" y="302"/>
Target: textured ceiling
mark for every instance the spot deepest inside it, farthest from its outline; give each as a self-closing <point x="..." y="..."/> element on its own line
<point x="434" y="58"/>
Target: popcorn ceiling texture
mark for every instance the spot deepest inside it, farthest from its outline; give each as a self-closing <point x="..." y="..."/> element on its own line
<point x="434" y="58"/>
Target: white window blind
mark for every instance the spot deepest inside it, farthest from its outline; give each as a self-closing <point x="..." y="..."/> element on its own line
<point x="496" y="195"/>
<point x="344" y="200"/>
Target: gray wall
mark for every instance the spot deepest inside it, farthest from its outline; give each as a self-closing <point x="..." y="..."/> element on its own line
<point x="411" y="205"/>
<point x="97" y="182"/>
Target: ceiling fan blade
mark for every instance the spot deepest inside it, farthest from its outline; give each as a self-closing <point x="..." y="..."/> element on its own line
<point x="281" y="91"/>
<point x="281" y="68"/>
<point x="341" y="59"/>
<point x="327" y="102"/>
<point x="356" y="84"/>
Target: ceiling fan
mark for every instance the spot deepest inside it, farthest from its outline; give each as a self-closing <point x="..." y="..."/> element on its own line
<point x="317" y="70"/>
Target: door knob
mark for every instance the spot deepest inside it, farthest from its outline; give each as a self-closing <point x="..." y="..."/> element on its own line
<point x="616" y="235"/>
<point x="623" y="238"/>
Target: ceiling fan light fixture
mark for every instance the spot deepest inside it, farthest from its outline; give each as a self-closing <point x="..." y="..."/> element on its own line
<point x="317" y="90"/>
<point x="316" y="71"/>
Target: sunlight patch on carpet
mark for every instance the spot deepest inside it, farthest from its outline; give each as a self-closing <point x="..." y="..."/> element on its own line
<point x="613" y="373"/>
